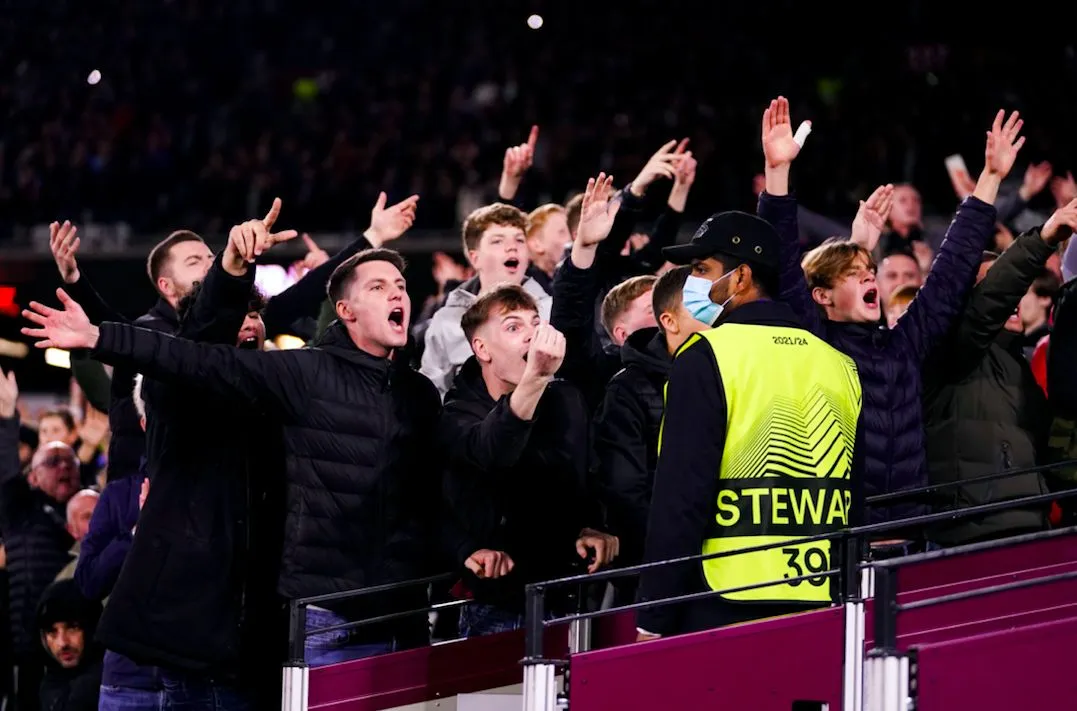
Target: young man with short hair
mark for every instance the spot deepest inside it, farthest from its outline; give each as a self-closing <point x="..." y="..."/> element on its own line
<point x="66" y="621"/>
<point x="517" y="447"/>
<point x="628" y="421"/>
<point x="496" y="245"/>
<point x="357" y="428"/>
<point x="548" y="237"/>
<point x="627" y="308"/>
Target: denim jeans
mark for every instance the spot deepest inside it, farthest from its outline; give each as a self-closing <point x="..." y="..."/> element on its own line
<point x="125" y="698"/>
<point x="477" y="620"/>
<point x="335" y="647"/>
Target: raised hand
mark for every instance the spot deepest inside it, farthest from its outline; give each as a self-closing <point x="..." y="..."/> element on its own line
<point x="1064" y="190"/>
<point x="64" y="244"/>
<point x="388" y="223"/>
<point x="683" y="179"/>
<point x="60" y="328"/>
<point x="1003" y="144"/>
<point x="546" y="353"/>
<point x="663" y="164"/>
<point x="9" y="394"/>
<point x="94" y="427"/>
<point x="1061" y="225"/>
<point x="486" y="563"/>
<point x="316" y="256"/>
<point x="597" y="211"/>
<point x="1036" y="177"/>
<point x="871" y="218"/>
<point x="605" y="547"/>
<point x="519" y="158"/>
<point x="248" y="241"/>
<point x="779" y="148"/>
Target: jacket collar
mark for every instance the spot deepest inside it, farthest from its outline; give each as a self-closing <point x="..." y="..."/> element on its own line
<point x="163" y="311"/>
<point x="336" y="342"/>
<point x="646" y="348"/>
<point x="763" y="312"/>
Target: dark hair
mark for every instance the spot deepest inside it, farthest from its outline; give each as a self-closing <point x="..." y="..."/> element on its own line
<point x="63" y="414"/>
<point x="502" y="299"/>
<point x="1047" y="285"/>
<point x="344" y="275"/>
<point x="765" y="278"/>
<point x="160" y="254"/>
<point x="256" y="301"/>
<point x="667" y="291"/>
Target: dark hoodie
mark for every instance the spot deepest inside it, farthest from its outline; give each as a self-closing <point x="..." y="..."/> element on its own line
<point x="626" y="437"/>
<point x="514" y="485"/>
<point x="70" y="689"/>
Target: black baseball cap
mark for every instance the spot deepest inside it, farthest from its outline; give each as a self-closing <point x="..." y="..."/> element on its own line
<point x="734" y="234"/>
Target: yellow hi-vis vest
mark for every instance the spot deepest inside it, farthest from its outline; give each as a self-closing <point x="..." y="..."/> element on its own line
<point x="792" y="404"/>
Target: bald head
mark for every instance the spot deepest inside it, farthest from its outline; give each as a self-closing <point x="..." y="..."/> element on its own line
<point x="79" y="512"/>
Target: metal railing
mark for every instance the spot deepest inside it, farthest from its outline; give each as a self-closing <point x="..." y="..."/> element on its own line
<point x="539" y="671"/>
<point x="889" y="673"/>
<point x="923" y="491"/>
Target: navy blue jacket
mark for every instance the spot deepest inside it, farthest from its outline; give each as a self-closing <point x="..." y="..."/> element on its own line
<point x="101" y="556"/>
<point x="890" y="361"/>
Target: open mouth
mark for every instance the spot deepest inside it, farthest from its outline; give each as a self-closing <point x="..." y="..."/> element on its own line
<point x="249" y="344"/>
<point x="512" y="264"/>
<point x="871" y="297"/>
<point x="396" y="318"/>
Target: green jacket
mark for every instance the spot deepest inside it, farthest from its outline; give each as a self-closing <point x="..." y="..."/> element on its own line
<point x="983" y="411"/>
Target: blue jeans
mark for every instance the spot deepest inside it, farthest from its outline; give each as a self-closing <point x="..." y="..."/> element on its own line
<point x="179" y="693"/>
<point x="334" y="647"/>
<point x="477" y="620"/>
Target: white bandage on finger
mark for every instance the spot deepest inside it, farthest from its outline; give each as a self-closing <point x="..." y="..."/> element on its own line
<point x="802" y="133"/>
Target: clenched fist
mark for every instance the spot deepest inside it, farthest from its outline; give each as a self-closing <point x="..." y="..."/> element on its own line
<point x="546" y="353"/>
<point x="485" y="563"/>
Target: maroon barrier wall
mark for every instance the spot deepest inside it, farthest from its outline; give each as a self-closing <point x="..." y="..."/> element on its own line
<point x="1026" y="668"/>
<point x="763" y="666"/>
<point x="428" y="673"/>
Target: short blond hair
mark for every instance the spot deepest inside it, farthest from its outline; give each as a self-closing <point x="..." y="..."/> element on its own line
<point x="825" y="265"/>
<point x="620" y="296"/>
<point x="538" y="217"/>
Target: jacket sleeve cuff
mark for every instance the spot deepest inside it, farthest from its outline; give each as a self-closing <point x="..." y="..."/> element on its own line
<point x="109" y="341"/>
<point x="1037" y="248"/>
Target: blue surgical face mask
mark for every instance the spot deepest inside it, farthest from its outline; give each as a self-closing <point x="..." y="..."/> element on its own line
<point x="697" y="298"/>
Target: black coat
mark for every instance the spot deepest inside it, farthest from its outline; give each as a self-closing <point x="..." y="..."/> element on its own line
<point x="70" y="689"/>
<point x="515" y="485"/>
<point x="983" y="410"/>
<point x="361" y="483"/>
<point x="36" y="539"/>
<point x="626" y="438"/>
<point x="211" y="499"/>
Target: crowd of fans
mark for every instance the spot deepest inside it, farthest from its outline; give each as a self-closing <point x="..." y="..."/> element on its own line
<point x="516" y="426"/>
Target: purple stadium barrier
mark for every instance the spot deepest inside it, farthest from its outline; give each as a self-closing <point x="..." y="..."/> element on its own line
<point x="427" y="673"/>
<point x="1024" y="668"/>
<point x="763" y="666"/>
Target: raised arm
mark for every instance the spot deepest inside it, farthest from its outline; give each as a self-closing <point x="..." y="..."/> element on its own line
<point x="934" y="311"/>
<point x="64" y="244"/>
<point x="995" y="298"/>
<point x="304" y="297"/>
<point x="275" y="381"/>
<point x="779" y="208"/>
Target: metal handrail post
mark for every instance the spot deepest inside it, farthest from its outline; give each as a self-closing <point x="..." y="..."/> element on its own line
<point x="296" y="682"/>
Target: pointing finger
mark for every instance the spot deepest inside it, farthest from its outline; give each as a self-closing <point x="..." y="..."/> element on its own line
<point x="532" y="139"/>
<point x="272" y="215"/>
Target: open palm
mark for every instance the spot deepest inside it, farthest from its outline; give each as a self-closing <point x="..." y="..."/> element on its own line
<point x="779" y="148"/>
<point x="598" y="210"/>
<point x="1003" y="143"/>
<point x="60" y="328"/>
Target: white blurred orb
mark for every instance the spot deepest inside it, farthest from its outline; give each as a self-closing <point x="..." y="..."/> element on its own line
<point x="95" y="76"/>
<point x="534" y="22"/>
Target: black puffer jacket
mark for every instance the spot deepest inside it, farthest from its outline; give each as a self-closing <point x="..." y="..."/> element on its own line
<point x="34" y="534"/>
<point x="515" y="485"/>
<point x="983" y="411"/>
<point x="361" y="475"/>
<point x="626" y="438"/>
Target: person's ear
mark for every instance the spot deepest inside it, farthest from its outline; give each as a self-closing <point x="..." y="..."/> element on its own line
<point x="478" y="347"/>
<point x="668" y="323"/>
<point x="32" y="479"/>
<point x="822" y="296"/>
<point x="473" y="258"/>
<point x="344" y="312"/>
<point x="620" y="334"/>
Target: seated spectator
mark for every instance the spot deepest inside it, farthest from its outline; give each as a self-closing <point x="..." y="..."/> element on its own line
<point x="899" y="303"/>
<point x="628" y="421"/>
<point x="67" y="622"/>
<point x="627" y="308"/>
<point x="496" y="246"/>
<point x="517" y="449"/>
<point x="80" y="509"/>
